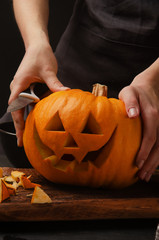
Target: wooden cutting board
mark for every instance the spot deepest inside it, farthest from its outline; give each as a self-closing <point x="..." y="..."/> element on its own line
<point x="79" y="203"/>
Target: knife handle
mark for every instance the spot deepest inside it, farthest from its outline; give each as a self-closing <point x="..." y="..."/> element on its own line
<point x="35" y="91"/>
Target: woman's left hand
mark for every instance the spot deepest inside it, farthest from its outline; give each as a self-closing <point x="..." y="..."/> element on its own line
<point x="141" y="97"/>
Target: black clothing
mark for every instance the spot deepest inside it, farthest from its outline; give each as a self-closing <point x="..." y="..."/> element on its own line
<point x="108" y="41"/>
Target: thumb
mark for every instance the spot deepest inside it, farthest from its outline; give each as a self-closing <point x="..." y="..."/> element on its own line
<point x="130" y="98"/>
<point x="54" y="84"/>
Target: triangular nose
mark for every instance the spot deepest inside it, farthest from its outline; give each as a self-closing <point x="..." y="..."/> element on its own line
<point x="70" y="142"/>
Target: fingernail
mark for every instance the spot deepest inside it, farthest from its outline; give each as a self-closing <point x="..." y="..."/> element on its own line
<point x="132" y="112"/>
<point x="64" y="88"/>
<point x="140" y="164"/>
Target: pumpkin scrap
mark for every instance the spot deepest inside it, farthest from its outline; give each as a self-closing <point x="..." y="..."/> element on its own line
<point x="9" y="185"/>
<point x="4" y="193"/>
<point x="10" y="182"/>
<point x="9" y="179"/>
<point x="39" y="196"/>
<point x="16" y="175"/>
<point x="27" y="184"/>
<point x="14" y="180"/>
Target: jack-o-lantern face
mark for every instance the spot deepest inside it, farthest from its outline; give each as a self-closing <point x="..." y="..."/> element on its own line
<point x="74" y="137"/>
<point x="69" y="148"/>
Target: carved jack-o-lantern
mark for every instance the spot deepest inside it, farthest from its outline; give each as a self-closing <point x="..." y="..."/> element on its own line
<point x="75" y="137"/>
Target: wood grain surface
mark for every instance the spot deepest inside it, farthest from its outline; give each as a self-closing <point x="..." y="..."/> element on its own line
<point x="79" y="203"/>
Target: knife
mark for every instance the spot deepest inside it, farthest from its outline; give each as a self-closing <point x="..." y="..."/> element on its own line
<point x="30" y="95"/>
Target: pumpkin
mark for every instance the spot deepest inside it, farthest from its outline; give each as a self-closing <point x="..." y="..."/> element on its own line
<point x="4" y="192"/>
<point x="80" y="138"/>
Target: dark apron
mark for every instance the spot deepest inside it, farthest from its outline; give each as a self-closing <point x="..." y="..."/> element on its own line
<point x="106" y="41"/>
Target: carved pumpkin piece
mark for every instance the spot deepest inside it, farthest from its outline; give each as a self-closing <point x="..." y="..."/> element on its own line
<point x="78" y="138"/>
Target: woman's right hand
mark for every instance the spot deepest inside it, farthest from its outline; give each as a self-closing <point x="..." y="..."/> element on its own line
<point x="39" y="64"/>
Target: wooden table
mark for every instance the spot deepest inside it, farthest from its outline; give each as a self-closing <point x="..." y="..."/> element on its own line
<point x="78" y="203"/>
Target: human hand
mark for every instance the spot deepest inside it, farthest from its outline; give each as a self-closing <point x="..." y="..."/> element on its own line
<point x="142" y="98"/>
<point x="38" y="65"/>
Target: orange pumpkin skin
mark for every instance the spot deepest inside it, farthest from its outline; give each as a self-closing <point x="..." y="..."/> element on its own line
<point x="74" y="137"/>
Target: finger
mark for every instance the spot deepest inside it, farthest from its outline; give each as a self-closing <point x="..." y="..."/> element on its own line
<point x="14" y="94"/>
<point x="18" y="119"/>
<point x="20" y="84"/>
<point x="54" y="84"/>
<point x="130" y="98"/>
<point x="151" y="163"/>
<point x="149" y="136"/>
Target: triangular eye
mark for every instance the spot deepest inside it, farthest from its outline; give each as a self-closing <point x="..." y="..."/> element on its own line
<point x="91" y="126"/>
<point x="70" y="142"/>
<point x="55" y="124"/>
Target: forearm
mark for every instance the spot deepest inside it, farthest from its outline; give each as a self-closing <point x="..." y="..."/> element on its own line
<point x="32" y="20"/>
<point x="149" y="76"/>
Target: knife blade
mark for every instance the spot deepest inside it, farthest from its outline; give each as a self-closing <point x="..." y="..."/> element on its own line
<point x="30" y="95"/>
<point x="19" y="103"/>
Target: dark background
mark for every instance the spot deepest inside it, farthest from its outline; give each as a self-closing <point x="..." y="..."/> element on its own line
<point x="11" y="53"/>
<point x="11" y="44"/>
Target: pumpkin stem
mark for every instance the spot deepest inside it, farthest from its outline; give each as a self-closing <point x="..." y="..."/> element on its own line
<point x="99" y="90"/>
